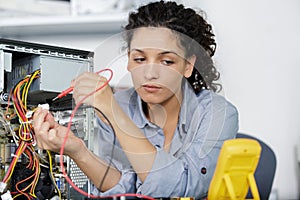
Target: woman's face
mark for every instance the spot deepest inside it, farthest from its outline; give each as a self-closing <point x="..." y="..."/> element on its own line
<point x="157" y="64"/>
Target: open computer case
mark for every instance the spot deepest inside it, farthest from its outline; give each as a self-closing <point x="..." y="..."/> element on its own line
<point x="33" y="74"/>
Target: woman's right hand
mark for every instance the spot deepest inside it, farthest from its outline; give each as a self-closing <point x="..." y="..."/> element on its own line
<point x="50" y="135"/>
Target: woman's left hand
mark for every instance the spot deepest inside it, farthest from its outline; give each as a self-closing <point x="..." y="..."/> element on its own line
<point x="89" y="82"/>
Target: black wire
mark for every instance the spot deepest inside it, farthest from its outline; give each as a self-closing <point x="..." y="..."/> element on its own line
<point x="112" y="150"/>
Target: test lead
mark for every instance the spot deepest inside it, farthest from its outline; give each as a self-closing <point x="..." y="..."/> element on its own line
<point x="63" y="93"/>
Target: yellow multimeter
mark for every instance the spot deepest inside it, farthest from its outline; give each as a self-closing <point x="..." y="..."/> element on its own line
<point x="234" y="173"/>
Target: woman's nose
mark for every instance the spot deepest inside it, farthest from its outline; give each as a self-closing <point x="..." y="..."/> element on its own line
<point x="151" y="71"/>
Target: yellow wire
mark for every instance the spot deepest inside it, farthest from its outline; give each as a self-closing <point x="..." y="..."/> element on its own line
<point x="53" y="179"/>
<point x="15" y="108"/>
<point x="36" y="178"/>
<point x="22" y="136"/>
<point x="25" y="89"/>
<point x="15" y="160"/>
<point x="27" y="86"/>
<point x="20" y="88"/>
<point x="18" y="195"/>
<point x="24" y="129"/>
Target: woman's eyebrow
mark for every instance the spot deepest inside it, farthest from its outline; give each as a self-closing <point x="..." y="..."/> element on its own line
<point x="172" y="52"/>
<point x="138" y="50"/>
<point x="169" y="52"/>
<point x="160" y="53"/>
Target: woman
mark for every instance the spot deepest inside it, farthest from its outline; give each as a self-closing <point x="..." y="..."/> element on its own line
<point x="170" y="126"/>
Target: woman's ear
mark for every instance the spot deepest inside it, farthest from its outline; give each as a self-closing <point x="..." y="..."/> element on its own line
<point x="190" y="63"/>
<point x="128" y="53"/>
<point x="128" y="57"/>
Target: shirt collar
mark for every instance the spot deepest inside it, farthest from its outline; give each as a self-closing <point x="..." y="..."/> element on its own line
<point x="189" y="102"/>
<point x="139" y="116"/>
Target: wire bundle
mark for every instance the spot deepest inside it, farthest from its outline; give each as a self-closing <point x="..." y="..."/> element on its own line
<point x="24" y="140"/>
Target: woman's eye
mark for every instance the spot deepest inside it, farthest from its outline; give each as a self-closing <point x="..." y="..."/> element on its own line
<point x="167" y="62"/>
<point x="138" y="60"/>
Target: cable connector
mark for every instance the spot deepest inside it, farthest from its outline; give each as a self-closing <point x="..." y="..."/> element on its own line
<point x="29" y="114"/>
<point x="55" y="198"/>
<point x="6" y="196"/>
<point x="2" y="187"/>
<point x="44" y="106"/>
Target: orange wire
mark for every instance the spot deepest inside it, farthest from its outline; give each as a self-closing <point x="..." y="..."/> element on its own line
<point x="22" y="191"/>
<point x="8" y="102"/>
<point x="30" y="163"/>
<point x="25" y="136"/>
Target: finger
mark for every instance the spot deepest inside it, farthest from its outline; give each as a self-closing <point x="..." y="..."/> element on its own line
<point x="42" y="135"/>
<point x="45" y="127"/>
<point x="52" y="136"/>
<point x="49" y="118"/>
<point x="73" y="83"/>
<point x="83" y="76"/>
<point x="79" y="99"/>
<point x="55" y="139"/>
<point x="89" y="85"/>
<point x="39" y="118"/>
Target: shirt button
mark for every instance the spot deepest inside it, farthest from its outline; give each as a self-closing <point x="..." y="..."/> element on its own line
<point x="203" y="170"/>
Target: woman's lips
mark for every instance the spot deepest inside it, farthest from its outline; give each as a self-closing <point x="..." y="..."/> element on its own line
<point x="151" y="88"/>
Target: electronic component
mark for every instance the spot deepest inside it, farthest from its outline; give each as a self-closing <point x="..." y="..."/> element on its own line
<point x="51" y="69"/>
<point x="42" y="72"/>
<point x="234" y="173"/>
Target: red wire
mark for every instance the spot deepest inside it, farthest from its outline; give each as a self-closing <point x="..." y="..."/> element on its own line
<point x="65" y="140"/>
<point x="20" y="148"/>
<point x="25" y="135"/>
<point x="8" y="102"/>
<point x="28" y="153"/>
<point x="19" y="110"/>
<point x="23" y="191"/>
<point x="20" y="107"/>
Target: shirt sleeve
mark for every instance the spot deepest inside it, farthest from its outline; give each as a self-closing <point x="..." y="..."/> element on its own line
<point x="125" y="185"/>
<point x="117" y="158"/>
<point x="188" y="173"/>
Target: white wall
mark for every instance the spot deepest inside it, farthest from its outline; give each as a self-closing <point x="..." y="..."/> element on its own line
<point x="259" y="58"/>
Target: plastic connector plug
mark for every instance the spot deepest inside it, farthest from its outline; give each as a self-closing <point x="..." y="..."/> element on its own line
<point x="44" y="106"/>
<point x="55" y="198"/>
<point x="6" y="196"/>
<point x="2" y="187"/>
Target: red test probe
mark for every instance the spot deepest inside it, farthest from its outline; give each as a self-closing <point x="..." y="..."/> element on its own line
<point x="63" y="93"/>
<point x="70" y="89"/>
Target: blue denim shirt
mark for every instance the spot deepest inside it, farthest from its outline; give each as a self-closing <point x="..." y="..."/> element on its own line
<point x="205" y="121"/>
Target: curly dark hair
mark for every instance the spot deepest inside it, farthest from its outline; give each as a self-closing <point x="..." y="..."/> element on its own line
<point x="186" y="22"/>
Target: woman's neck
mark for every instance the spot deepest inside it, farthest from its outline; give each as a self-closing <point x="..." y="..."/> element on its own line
<point x="162" y="114"/>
